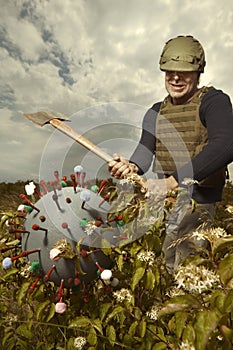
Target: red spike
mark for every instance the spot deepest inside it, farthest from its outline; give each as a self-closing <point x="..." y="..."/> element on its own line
<point x="60" y="291"/>
<point x="5" y="249"/>
<point x="24" y="254"/>
<point x="36" y="227"/>
<point x="56" y="174"/>
<point x="99" y="267"/>
<point x="106" y="197"/>
<point x="72" y="176"/>
<point x="14" y="230"/>
<point x="52" y="183"/>
<point x="77" y="280"/>
<point x="103" y="184"/>
<point x="64" y="225"/>
<point x="83" y="177"/>
<point x="28" y="202"/>
<point x="47" y="275"/>
<point x="43" y="184"/>
<point x="33" y="286"/>
<point x="42" y="218"/>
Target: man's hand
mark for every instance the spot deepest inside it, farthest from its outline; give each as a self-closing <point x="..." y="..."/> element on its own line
<point x="119" y="167"/>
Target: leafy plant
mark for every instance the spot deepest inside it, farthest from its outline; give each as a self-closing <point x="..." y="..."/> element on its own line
<point x="148" y="309"/>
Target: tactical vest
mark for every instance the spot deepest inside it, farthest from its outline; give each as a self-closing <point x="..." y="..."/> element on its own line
<point x="180" y="136"/>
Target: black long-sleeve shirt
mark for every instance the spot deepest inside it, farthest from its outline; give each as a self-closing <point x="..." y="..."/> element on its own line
<point x="216" y="115"/>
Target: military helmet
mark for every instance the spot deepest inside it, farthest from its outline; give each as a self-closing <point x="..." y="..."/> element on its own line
<point x="183" y="53"/>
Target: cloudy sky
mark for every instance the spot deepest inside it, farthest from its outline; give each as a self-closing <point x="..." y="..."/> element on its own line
<point x="97" y="62"/>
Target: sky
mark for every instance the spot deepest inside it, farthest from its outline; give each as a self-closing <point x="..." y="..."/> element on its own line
<point x="96" y="61"/>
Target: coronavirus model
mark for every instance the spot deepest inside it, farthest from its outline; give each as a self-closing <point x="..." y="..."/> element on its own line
<point x="64" y="233"/>
<point x="67" y="233"/>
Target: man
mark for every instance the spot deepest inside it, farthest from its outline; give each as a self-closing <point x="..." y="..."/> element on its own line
<point x="190" y="134"/>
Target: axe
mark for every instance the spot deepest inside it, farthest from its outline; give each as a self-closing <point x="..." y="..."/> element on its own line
<point x="57" y="119"/>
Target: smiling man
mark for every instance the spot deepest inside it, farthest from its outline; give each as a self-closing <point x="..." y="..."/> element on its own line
<point x="190" y="135"/>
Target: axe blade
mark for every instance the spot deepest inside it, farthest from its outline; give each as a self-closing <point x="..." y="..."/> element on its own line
<point x="43" y="117"/>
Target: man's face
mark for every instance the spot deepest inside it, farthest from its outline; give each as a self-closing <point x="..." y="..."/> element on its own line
<point x="181" y="85"/>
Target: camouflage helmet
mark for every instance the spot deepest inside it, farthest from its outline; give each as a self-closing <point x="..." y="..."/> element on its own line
<point x="183" y="53"/>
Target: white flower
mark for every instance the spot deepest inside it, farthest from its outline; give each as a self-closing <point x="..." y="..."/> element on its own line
<point x="10" y="319"/>
<point x="148" y="257"/>
<point x="229" y="208"/>
<point x="174" y="292"/>
<point x="195" y="279"/>
<point x="198" y="235"/>
<point x="189" y="182"/>
<point x="79" y="342"/>
<point x="124" y="181"/>
<point x="89" y="228"/>
<point x="211" y="234"/>
<point x="153" y="312"/>
<point x="186" y="346"/>
<point x="123" y="295"/>
<point x="218" y="232"/>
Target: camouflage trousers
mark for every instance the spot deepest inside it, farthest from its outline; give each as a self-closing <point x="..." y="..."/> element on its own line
<point x="181" y="223"/>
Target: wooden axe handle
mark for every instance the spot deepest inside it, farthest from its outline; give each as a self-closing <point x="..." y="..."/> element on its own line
<point x="67" y="130"/>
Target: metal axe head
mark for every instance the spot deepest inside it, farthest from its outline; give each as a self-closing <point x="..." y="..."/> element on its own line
<point x="43" y="117"/>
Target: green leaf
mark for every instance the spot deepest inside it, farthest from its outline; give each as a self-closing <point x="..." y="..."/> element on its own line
<point x="227" y="332"/>
<point x="132" y="328"/>
<point x="150" y="280"/>
<point x="104" y="309"/>
<point x="40" y="346"/>
<point x="92" y="337"/>
<point x="120" y="262"/>
<point x="180" y="303"/>
<point x="137" y="277"/>
<point x="97" y="324"/>
<point x="41" y="308"/>
<point x="222" y="243"/>
<point x="9" y="273"/>
<point x="228" y="304"/>
<point x="7" y="336"/>
<point x="23" y="292"/>
<point x="10" y="343"/>
<point x="160" y="346"/>
<point x="115" y="311"/>
<point x="218" y="300"/>
<point x="225" y="269"/>
<point x="23" y="331"/>
<point x="51" y="312"/>
<point x="142" y="328"/>
<point x="173" y="308"/>
<point x="180" y="318"/>
<point x="135" y="249"/>
<point x="206" y="323"/>
<point x="111" y="334"/>
<point x="128" y="340"/>
<point x="188" y="334"/>
<point x="22" y="344"/>
<point x="137" y="313"/>
<point x="81" y="321"/>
